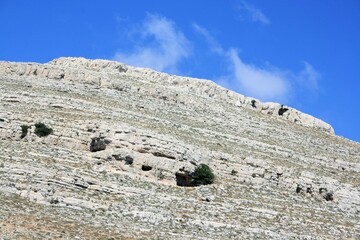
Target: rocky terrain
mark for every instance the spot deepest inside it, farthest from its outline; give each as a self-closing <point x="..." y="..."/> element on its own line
<point x="125" y="141"/>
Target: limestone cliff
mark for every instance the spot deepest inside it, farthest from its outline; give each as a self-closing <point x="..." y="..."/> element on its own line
<point x="125" y="139"/>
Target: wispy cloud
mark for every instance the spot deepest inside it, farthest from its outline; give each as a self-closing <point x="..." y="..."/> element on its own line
<point x="162" y="46"/>
<point x="309" y="77"/>
<point x="256" y="15"/>
<point x="267" y="83"/>
<point x="213" y="43"/>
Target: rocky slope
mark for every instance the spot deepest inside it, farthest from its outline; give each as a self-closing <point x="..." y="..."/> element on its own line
<point x="124" y="138"/>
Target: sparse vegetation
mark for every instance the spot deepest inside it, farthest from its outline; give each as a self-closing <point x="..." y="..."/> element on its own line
<point x="234" y="172"/>
<point x="253" y="103"/>
<point x="24" y="130"/>
<point x="282" y="110"/>
<point x="42" y="130"/>
<point x="202" y="175"/>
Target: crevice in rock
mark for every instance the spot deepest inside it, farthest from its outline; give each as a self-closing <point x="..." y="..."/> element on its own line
<point x="253" y="103"/>
<point x="160" y="154"/>
<point x="183" y="178"/>
<point x="146" y="167"/>
<point x="143" y="150"/>
<point x="329" y="196"/>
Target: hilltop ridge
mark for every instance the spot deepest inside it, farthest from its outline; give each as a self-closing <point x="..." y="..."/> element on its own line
<point x="104" y="73"/>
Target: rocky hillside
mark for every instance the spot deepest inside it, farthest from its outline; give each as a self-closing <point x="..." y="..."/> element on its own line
<point x="125" y="141"/>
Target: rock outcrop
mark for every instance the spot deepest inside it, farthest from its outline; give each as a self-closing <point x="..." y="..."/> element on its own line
<point x="125" y="141"/>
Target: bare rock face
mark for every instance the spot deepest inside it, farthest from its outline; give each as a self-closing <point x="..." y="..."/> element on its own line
<point x="126" y="140"/>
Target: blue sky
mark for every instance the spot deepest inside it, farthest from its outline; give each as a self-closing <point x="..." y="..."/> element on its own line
<point x="305" y="54"/>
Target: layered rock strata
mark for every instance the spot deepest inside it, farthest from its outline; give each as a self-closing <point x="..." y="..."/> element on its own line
<point x="124" y="138"/>
<point x="106" y="74"/>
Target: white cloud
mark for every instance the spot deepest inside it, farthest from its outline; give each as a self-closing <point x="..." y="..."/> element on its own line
<point x="162" y="46"/>
<point x="214" y="45"/>
<point x="266" y="84"/>
<point x="255" y="14"/>
<point x="309" y="77"/>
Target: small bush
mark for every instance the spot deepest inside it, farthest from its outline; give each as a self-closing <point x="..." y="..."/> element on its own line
<point x="282" y="110"/>
<point x="24" y="130"/>
<point x="253" y="103"/>
<point x="42" y="130"/>
<point x="202" y="175"/>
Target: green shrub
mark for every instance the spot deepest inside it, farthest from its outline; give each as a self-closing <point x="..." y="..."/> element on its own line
<point x="202" y="175"/>
<point x="42" y="130"/>
<point x="24" y="130"/>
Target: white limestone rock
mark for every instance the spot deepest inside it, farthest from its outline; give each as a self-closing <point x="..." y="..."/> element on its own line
<point x="103" y="73"/>
<point x="279" y="173"/>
